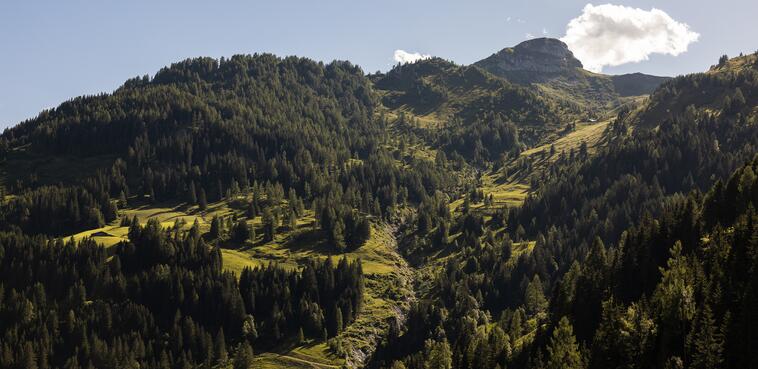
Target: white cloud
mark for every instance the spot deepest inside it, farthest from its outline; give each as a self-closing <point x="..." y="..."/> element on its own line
<point x="403" y="57"/>
<point x="545" y="31"/>
<point x="529" y="36"/>
<point x="608" y="35"/>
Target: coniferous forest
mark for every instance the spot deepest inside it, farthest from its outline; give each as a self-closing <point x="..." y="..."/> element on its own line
<point x="265" y="212"/>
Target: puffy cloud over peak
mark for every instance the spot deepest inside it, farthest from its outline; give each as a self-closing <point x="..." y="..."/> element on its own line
<point x="609" y="35"/>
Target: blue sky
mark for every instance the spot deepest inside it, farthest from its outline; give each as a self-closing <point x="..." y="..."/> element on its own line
<point x="54" y="50"/>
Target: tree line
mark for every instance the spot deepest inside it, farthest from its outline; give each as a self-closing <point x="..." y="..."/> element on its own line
<point x="159" y="300"/>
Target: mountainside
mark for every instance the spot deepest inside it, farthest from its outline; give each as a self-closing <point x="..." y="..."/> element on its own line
<point x="632" y="250"/>
<point x="449" y="91"/>
<point x="549" y="64"/>
<point x="270" y="212"/>
<point x="636" y="84"/>
<point x="255" y="160"/>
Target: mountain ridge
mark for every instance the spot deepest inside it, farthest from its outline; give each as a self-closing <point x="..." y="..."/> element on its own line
<point x="549" y="63"/>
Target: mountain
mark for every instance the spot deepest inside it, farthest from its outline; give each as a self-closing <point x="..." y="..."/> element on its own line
<point x="549" y="64"/>
<point x="258" y="211"/>
<point x="532" y="61"/>
<point x="468" y="111"/>
<point x="451" y="91"/>
<point x="660" y="206"/>
<point x="282" y="158"/>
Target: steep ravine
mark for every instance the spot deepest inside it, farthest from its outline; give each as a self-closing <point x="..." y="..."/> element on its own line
<point x="388" y="298"/>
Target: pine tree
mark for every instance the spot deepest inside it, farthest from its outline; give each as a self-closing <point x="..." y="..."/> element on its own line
<point x="202" y="201"/>
<point x="243" y="359"/>
<point x="122" y="202"/>
<point x="674" y="296"/>
<point x="252" y="208"/>
<point x="708" y="345"/>
<point x="738" y="100"/>
<point x="134" y="229"/>
<point x="362" y="232"/>
<point x="338" y="321"/>
<point x="534" y="298"/>
<point x="439" y="356"/>
<point x="220" y="347"/>
<point x="563" y="351"/>
<point x="192" y="195"/>
<point x="164" y="363"/>
<point x="29" y="358"/>
<point x="220" y="188"/>
<point x="269" y="225"/>
<point x="338" y="235"/>
<point x="215" y="231"/>
<point x="292" y="220"/>
<point x="195" y="230"/>
<point x="241" y="231"/>
<point x="398" y="365"/>
<point x="300" y="336"/>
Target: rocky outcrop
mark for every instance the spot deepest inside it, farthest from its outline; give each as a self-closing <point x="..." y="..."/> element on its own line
<point x="541" y="55"/>
<point x="548" y="62"/>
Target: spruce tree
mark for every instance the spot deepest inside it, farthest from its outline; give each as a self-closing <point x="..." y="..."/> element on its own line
<point x="269" y="225"/>
<point x="192" y="194"/>
<point x="439" y="356"/>
<point x="202" y="201"/>
<point x="241" y="231"/>
<point x="292" y="220"/>
<point x="338" y="321"/>
<point x="534" y="298"/>
<point x="29" y="358"/>
<point x="708" y="345"/>
<point x="215" y="231"/>
<point x="243" y="359"/>
<point x="563" y="351"/>
<point x="220" y="347"/>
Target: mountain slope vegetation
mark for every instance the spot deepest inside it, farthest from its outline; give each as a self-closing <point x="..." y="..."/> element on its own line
<point x="610" y="237"/>
<point x="259" y="211"/>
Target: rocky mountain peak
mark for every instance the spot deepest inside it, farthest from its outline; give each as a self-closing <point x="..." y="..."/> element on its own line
<point x="545" y="55"/>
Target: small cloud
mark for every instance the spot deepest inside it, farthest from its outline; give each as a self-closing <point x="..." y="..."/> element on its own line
<point x="403" y="57"/>
<point x="529" y="36"/>
<point x="508" y="19"/>
<point x="520" y="20"/>
<point x="609" y="35"/>
<point x="544" y="31"/>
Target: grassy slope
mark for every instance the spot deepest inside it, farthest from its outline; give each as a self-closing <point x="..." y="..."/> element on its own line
<point x="511" y="186"/>
<point x="388" y="290"/>
<point x="388" y="277"/>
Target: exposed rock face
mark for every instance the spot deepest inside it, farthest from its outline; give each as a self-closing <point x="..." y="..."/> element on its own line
<point x="541" y="55"/>
<point x="549" y="63"/>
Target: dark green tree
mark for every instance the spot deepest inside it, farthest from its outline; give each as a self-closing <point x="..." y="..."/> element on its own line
<point x="563" y="351"/>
